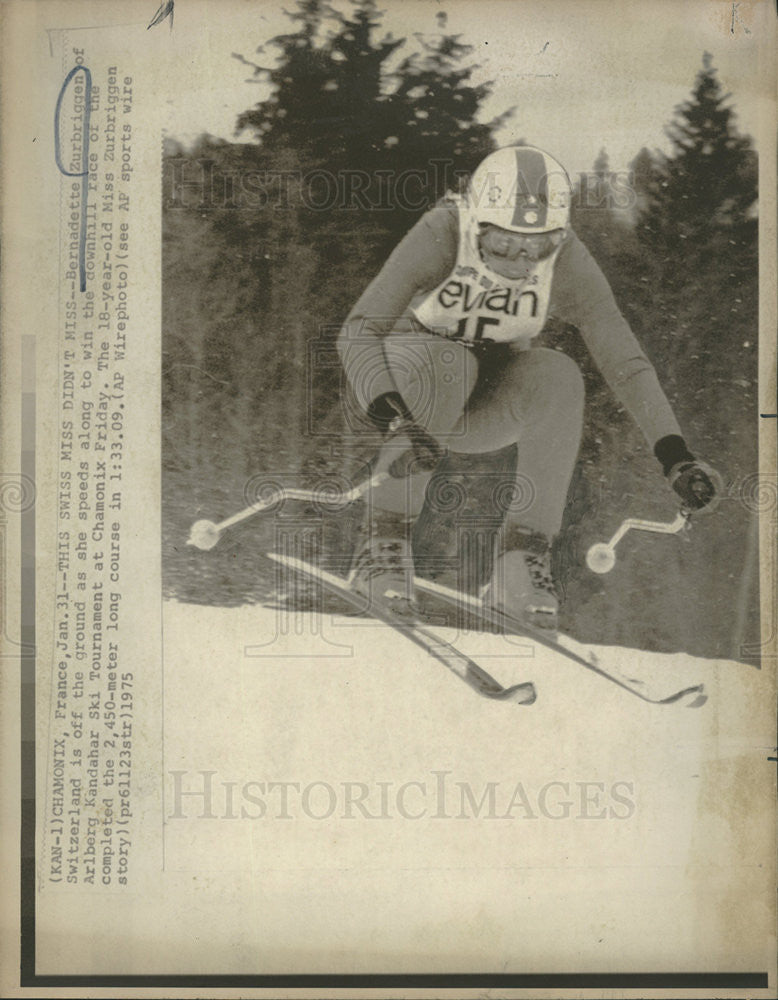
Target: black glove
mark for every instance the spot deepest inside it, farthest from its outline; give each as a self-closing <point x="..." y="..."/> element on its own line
<point x="393" y="418"/>
<point x="696" y="483"/>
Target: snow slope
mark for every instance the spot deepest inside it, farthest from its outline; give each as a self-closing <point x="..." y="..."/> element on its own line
<point x="330" y="799"/>
<point x="615" y="834"/>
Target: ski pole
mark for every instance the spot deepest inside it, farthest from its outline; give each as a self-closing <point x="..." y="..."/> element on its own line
<point x="205" y="534"/>
<point x="601" y="558"/>
<point x="385" y="464"/>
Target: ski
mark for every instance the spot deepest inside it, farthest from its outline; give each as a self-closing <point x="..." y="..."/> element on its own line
<point x="458" y="663"/>
<point x="693" y="696"/>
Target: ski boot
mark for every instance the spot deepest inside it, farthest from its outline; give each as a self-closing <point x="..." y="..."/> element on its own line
<point x="383" y="567"/>
<point x="522" y="585"/>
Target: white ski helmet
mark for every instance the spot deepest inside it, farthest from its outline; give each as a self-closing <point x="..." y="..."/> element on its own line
<point x="522" y="189"/>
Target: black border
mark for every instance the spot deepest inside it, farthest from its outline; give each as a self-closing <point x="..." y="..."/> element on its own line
<point x="574" y="980"/>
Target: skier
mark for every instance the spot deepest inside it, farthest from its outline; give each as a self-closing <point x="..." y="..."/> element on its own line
<point x="440" y="353"/>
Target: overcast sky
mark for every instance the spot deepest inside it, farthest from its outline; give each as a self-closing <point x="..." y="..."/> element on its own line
<point x="582" y="75"/>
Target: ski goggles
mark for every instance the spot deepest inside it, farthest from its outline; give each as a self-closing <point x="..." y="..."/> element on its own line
<point x="505" y="244"/>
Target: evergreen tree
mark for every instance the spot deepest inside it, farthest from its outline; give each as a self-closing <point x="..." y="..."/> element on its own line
<point x="325" y="91"/>
<point x="591" y="215"/>
<point x="643" y="169"/>
<point x="699" y="229"/>
<point x="708" y="183"/>
<point x="338" y="104"/>
<point x="601" y="170"/>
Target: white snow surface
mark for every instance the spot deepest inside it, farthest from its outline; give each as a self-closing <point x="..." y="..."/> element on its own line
<point x="318" y="795"/>
<point x="426" y="828"/>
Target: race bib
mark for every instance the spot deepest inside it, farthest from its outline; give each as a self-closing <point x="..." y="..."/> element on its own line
<point x="477" y="305"/>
